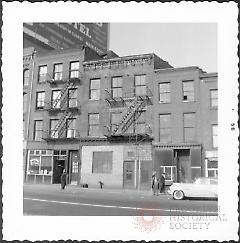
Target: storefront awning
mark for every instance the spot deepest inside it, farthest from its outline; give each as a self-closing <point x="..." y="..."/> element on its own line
<point x="177" y="146"/>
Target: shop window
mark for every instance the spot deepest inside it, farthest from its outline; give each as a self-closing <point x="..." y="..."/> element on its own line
<point x="116" y="87"/>
<point x="213" y="97"/>
<point x="26" y="76"/>
<point x="58" y="71"/>
<point x="42" y="73"/>
<point x="74" y="69"/>
<point x="34" y="165"/>
<point x="37" y="133"/>
<point x="140" y="85"/>
<point x="93" y="125"/>
<point x="94" y="89"/>
<point x="40" y="100"/>
<point x="46" y="165"/>
<point x="189" y="127"/>
<point x="188" y="91"/>
<point x="164" y="93"/>
<point x="212" y="168"/>
<point x="165" y="128"/>
<point x="102" y="162"/>
<point x="170" y="172"/>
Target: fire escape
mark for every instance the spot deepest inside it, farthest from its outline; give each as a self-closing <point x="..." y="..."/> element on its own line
<point x="61" y="104"/>
<point x="134" y="106"/>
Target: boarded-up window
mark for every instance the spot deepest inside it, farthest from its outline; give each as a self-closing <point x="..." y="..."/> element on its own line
<point x="102" y="162"/>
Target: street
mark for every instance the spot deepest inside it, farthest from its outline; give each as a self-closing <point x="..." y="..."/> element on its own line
<point x="76" y="201"/>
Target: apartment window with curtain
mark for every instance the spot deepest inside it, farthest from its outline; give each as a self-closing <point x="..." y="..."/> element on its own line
<point x="215" y="136"/>
<point x="58" y="71"/>
<point x="115" y="119"/>
<point x="188" y="90"/>
<point x="74" y="69"/>
<point x="102" y="162"/>
<point x="71" y="128"/>
<point x="94" y="89"/>
<point x="38" y="130"/>
<point x="214" y="98"/>
<point x="26" y="77"/>
<point x="53" y="132"/>
<point x="42" y="73"/>
<point x="72" y="97"/>
<point x="40" y="100"/>
<point x="56" y="98"/>
<point x="140" y="85"/>
<point x="164" y="93"/>
<point x="116" y="87"/>
<point x="189" y="122"/>
<point x="165" y="128"/>
<point x="93" y="125"/>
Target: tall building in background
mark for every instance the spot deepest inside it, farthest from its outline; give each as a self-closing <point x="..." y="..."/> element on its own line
<point x="48" y="36"/>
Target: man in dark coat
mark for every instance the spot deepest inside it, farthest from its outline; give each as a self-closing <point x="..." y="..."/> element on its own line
<point x="162" y="183"/>
<point x="63" y="179"/>
<point x="155" y="184"/>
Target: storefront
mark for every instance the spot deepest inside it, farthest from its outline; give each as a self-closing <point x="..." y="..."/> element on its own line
<point x="211" y="163"/>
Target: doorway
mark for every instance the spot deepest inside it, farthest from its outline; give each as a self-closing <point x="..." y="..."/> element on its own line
<point x="58" y="167"/>
<point x="183" y="165"/>
<point x="128" y="174"/>
<point x="75" y="166"/>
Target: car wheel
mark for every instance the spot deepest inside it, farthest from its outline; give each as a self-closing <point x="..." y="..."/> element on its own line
<point x="178" y="195"/>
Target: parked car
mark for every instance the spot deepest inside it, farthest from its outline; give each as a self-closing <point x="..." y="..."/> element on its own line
<point x="202" y="187"/>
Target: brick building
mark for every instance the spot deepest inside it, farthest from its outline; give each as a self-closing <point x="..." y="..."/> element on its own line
<point x="116" y="119"/>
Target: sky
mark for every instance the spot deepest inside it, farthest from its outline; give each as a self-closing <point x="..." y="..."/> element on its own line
<point x="180" y="44"/>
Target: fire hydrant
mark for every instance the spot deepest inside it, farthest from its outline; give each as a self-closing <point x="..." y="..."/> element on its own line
<point x="101" y="184"/>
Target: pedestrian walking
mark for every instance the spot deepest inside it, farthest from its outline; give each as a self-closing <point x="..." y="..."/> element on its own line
<point x="64" y="179"/>
<point x="162" y="182"/>
<point x="155" y="184"/>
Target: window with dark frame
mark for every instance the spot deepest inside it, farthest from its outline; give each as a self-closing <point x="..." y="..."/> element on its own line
<point x="213" y="97"/>
<point x="58" y="71"/>
<point x="188" y="90"/>
<point x="140" y="123"/>
<point x="37" y="132"/>
<point x="140" y="85"/>
<point x="26" y="77"/>
<point x="102" y="162"/>
<point x="74" y="69"/>
<point x="56" y="99"/>
<point x="164" y="92"/>
<point x="215" y="136"/>
<point x="40" y="100"/>
<point x="42" y="73"/>
<point x="117" y="87"/>
<point x="165" y="128"/>
<point x="71" y="127"/>
<point x="72" y="97"/>
<point x="93" y="125"/>
<point x="53" y="132"/>
<point x="189" y="123"/>
<point x="94" y="89"/>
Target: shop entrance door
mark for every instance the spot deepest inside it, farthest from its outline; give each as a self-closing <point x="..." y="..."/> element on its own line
<point x="183" y="165"/>
<point x="58" y="167"/>
<point x="128" y="174"/>
<point x="75" y="167"/>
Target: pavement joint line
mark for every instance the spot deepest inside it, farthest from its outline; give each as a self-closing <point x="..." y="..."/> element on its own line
<point x="122" y="207"/>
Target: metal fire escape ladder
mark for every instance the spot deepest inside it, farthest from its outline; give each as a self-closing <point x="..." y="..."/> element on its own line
<point x="137" y="104"/>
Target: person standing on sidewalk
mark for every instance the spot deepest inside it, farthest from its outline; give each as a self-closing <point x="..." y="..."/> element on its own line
<point x="63" y="179"/>
<point x="155" y="184"/>
<point x="162" y="182"/>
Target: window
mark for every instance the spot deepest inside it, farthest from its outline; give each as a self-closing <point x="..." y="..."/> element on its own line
<point x="102" y="162"/>
<point x="57" y="71"/>
<point x="26" y="76"/>
<point x="72" y="98"/>
<point x="164" y="93"/>
<point x="140" y="85"/>
<point x="37" y="133"/>
<point x="213" y="97"/>
<point x="74" y="69"/>
<point x="188" y="91"/>
<point x="189" y="127"/>
<point x="165" y="128"/>
<point x="40" y="100"/>
<point x="140" y="125"/>
<point x="53" y="131"/>
<point x="42" y="73"/>
<point x="215" y="135"/>
<point x="170" y="172"/>
<point x="56" y="98"/>
<point x="93" y="125"/>
<point x="71" y="128"/>
<point x="24" y="102"/>
<point x="115" y="119"/>
<point x="95" y="89"/>
<point x="116" y="87"/>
